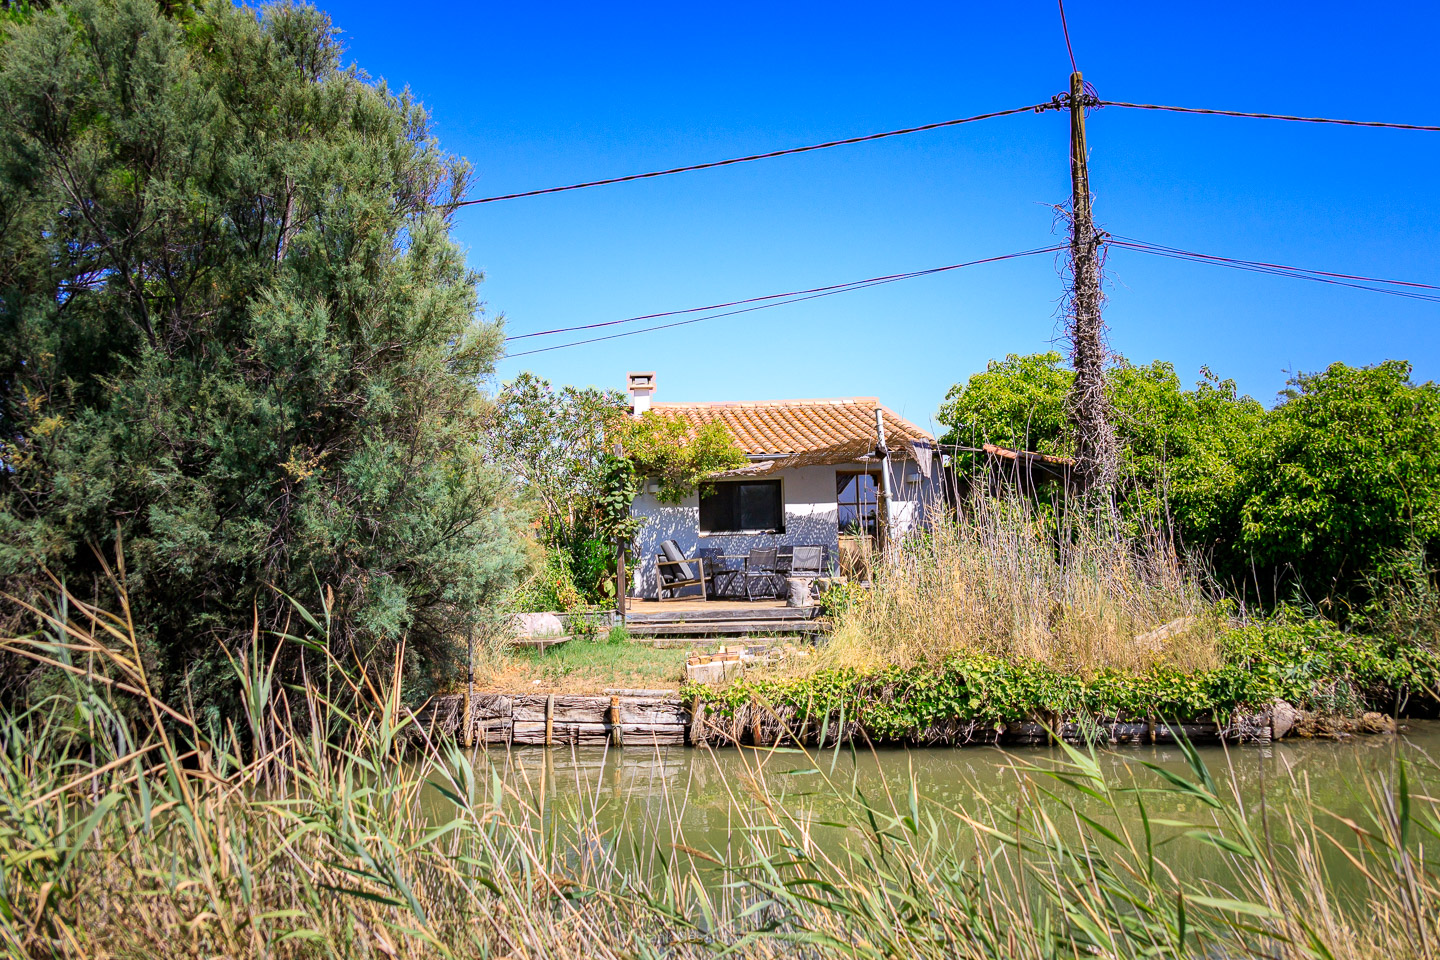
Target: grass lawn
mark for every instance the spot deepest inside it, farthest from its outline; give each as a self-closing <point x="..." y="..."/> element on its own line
<point x="590" y="666"/>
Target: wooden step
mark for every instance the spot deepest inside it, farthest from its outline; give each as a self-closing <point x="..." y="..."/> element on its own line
<point x="700" y="628"/>
<point x="687" y="616"/>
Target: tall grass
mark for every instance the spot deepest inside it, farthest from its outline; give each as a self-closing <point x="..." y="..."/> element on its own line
<point x="127" y="830"/>
<point x="1007" y="579"/>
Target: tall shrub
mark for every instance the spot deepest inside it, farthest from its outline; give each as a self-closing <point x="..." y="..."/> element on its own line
<point x="1344" y="482"/>
<point x="235" y="330"/>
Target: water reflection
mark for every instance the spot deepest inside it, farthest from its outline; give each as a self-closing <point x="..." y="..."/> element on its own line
<point x="633" y="800"/>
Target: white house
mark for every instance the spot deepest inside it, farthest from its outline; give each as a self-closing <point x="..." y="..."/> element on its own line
<point x="814" y="478"/>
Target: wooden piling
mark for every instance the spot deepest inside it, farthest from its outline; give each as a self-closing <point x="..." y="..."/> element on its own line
<point x="662" y="718"/>
<point x="697" y="720"/>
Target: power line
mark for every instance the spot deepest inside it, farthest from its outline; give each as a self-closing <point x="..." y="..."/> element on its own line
<point x="1066" y="27"/>
<point x="1052" y="104"/>
<point x="1270" y="116"/>
<point x="1035" y="108"/>
<point x="832" y="288"/>
<point x="1355" y="281"/>
<point x="774" y="300"/>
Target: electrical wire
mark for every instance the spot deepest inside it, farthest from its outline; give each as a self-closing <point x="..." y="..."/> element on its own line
<point x="774" y="300"/>
<point x="1270" y="116"/>
<point x="832" y="288"/>
<point x="1355" y="281"/>
<point x="1033" y="108"/>
<point x="1053" y="104"/>
<point x="1066" y="27"/>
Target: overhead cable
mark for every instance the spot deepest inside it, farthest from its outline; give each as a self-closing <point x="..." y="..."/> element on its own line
<point x="1270" y="116"/>
<point x="832" y="288"/>
<point x="1066" y="27"/>
<point x="1396" y="288"/>
<point x="1035" y="108"/>
<point x="773" y="300"/>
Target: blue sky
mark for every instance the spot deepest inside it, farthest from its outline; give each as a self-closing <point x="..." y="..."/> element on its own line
<point x="536" y="96"/>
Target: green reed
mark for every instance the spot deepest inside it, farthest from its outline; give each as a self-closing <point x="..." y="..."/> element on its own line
<point x="129" y="829"/>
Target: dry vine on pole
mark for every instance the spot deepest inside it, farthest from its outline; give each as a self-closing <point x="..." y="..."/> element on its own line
<point x="1096" y="449"/>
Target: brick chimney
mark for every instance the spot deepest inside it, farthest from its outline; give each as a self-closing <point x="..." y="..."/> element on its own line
<point x="642" y="388"/>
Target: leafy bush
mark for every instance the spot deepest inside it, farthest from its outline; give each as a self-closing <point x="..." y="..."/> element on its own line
<point x="550" y="588"/>
<point x="1310" y="664"/>
<point x="678" y="456"/>
<point x="1344" y="480"/>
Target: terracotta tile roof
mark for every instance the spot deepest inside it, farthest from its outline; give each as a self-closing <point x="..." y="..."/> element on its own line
<point x="807" y="432"/>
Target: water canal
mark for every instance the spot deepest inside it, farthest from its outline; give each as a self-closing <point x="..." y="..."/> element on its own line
<point x="637" y="803"/>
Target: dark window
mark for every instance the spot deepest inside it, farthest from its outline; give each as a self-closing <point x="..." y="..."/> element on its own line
<point x="855" y="494"/>
<point x="742" y="505"/>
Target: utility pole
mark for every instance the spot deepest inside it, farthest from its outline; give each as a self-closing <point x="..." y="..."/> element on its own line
<point x="1096" y="449"/>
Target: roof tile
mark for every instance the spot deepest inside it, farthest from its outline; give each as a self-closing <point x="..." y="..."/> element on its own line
<point x="803" y="432"/>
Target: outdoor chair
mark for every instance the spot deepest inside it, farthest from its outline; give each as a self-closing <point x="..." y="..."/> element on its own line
<point x="675" y="572"/>
<point x="807" y="562"/>
<point x="763" y="565"/>
<point x="720" y="571"/>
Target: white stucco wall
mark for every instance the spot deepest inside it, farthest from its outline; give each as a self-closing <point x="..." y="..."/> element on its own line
<point x="811" y="517"/>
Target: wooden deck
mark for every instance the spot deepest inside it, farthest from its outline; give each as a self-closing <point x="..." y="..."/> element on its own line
<point x="703" y="618"/>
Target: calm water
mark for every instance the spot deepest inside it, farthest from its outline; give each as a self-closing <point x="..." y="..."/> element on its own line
<point x="633" y="798"/>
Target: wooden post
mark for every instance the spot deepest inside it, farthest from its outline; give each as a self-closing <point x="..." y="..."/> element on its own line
<point x="616" y="736"/>
<point x="549" y="719"/>
<point x="882" y="507"/>
<point x="469" y="686"/>
<point x="755" y="737"/>
<point x="697" y="720"/>
<point x="621" y="587"/>
<point x="1097" y="451"/>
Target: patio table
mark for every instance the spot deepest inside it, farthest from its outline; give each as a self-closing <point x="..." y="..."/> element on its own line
<point x="723" y="571"/>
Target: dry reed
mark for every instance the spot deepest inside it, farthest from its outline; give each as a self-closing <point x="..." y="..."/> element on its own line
<point x="1006" y="579"/>
<point x="151" y="838"/>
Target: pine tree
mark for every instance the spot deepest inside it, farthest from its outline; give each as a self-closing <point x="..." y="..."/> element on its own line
<point x="234" y="327"/>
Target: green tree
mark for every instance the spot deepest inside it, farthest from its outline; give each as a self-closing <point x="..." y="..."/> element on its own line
<point x="234" y="327"/>
<point x="554" y="442"/>
<point x="1018" y="402"/>
<point x="558" y="445"/>
<point x="1180" y="448"/>
<point x="1344" y="481"/>
<point x="1335" y="490"/>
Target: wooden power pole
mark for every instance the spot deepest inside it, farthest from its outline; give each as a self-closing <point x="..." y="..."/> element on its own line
<point x="1096" y="449"/>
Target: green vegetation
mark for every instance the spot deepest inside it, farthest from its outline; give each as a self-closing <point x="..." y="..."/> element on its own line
<point x="680" y="457"/>
<point x="235" y="331"/>
<point x="557" y="446"/>
<point x="1333" y="493"/>
<point x="1307" y="663"/>
<point x="579" y="459"/>
<point x="124" y="839"/>
<point x="590" y="665"/>
<point x="1007" y="612"/>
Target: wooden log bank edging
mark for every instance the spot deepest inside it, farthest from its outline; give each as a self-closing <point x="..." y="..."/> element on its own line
<point x="647" y="721"/>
